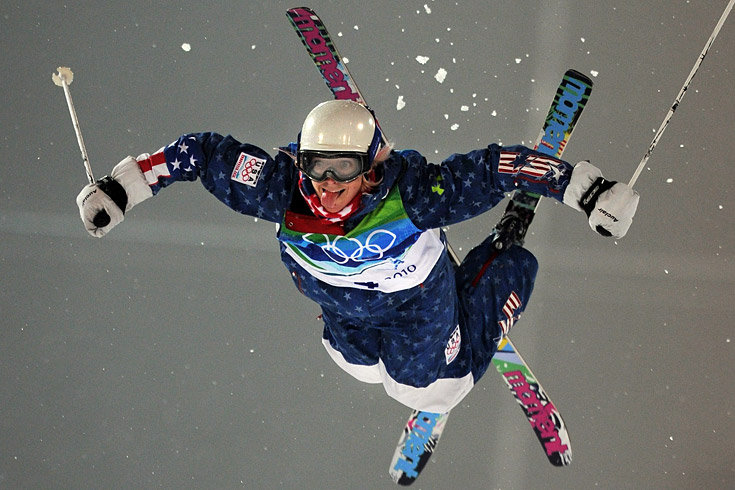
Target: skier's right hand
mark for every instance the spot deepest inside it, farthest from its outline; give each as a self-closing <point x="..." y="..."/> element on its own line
<point x="102" y="205"/>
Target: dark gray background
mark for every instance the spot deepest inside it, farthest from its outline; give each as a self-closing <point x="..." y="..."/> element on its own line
<point x="176" y="353"/>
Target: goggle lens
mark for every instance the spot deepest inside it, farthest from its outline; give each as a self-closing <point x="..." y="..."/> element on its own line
<point x="341" y="168"/>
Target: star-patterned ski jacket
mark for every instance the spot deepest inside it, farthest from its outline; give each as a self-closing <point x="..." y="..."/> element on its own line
<point x="388" y="244"/>
<point x="385" y="266"/>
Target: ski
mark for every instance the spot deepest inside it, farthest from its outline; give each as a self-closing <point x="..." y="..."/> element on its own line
<point x="324" y="54"/>
<point x="548" y="424"/>
<point x="540" y="411"/>
<point x="423" y="429"/>
<point x="569" y="101"/>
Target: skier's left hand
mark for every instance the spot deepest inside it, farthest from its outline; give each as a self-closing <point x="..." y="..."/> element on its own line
<point x="609" y="205"/>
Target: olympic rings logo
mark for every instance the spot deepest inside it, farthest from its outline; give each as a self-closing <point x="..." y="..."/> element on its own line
<point x="343" y="249"/>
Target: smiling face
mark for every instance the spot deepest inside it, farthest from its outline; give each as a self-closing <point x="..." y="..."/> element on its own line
<point x="337" y="180"/>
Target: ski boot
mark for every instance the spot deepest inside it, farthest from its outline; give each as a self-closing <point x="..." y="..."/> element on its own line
<point x="513" y="225"/>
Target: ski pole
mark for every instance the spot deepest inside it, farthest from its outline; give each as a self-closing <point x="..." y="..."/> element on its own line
<point x="683" y="90"/>
<point x="63" y="79"/>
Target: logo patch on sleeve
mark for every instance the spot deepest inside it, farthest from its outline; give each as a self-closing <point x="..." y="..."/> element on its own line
<point x="451" y="351"/>
<point x="247" y="169"/>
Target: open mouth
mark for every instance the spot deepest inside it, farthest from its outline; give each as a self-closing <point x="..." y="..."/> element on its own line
<point x="329" y="198"/>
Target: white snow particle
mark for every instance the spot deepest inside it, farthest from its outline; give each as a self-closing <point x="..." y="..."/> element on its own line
<point x="719" y="206"/>
<point x="454" y="127"/>
<point x="186" y="47"/>
<point x="494" y="113"/>
<point x="669" y="181"/>
<point x="464" y="108"/>
<point x="441" y="75"/>
<point x="518" y="60"/>
<point x="594" y="73"/>
<point x="252" y="47"/>
<point x="427" y="9"/>
<point x="422" y="59"/>
<point x="581" y="39"/>
<point x="400" y="104"/>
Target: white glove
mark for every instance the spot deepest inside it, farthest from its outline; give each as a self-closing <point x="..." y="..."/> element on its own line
<point x="102" y="205"/>
<point x="609" y="205"/>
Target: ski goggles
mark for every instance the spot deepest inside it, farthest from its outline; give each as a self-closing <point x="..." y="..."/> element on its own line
<point x="341" y="167"/>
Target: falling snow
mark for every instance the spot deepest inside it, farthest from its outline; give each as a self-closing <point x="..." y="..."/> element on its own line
<point x="400" y="104"/>
<point x="441" y="75"/>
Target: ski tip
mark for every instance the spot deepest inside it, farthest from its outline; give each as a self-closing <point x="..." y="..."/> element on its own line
<point x="417" y="443"/>
<point x="577" y="75"/>
<point x="561" y="460"/>
<point x="297" y="10"/>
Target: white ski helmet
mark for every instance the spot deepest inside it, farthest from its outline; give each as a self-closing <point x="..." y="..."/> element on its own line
<point x="340" y="127"/>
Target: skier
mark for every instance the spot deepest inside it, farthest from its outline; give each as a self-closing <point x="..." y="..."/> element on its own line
<point x="356" y="221"/>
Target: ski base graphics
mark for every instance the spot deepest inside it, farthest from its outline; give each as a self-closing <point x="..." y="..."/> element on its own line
<point x="416" y="444"/>
<point x="540" y="411"/>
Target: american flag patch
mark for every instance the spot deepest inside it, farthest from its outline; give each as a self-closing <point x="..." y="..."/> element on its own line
<point x="509" y="309"/>
<point x="534" y="166"/>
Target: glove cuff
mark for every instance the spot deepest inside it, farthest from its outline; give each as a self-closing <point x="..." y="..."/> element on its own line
<point x="589" y="200"/>
<point x="583" y="177"/>
<point x="131" y="178"/>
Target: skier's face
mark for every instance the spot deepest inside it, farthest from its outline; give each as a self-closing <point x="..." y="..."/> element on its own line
<point x="336" y="195"/>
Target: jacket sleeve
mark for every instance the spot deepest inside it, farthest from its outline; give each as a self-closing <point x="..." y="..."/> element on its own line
<point x="466" y="185"/>
<point x="242" y="176"/>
